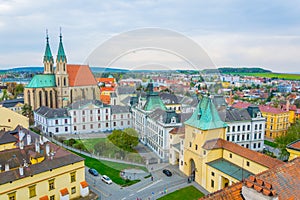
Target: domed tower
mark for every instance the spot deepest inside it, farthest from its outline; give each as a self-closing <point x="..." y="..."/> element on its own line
<point x="61" y="76"/>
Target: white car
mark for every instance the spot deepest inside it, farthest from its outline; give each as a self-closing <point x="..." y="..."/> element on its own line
<point x="106" y="179"/>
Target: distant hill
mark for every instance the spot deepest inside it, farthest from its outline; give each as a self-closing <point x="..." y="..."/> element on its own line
<point x="23" y="69"/>
<point x="229" y="70"/>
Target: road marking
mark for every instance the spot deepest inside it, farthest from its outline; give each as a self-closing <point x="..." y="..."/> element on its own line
<point x="131" y="195"/>
<point x="95" y="187"/>
<point x="149" y="186"/>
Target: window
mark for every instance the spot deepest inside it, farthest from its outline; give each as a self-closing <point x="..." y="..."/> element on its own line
<point x="83" y="112"/>
<point x="260" y="126"/>
<point x="74" y="112"/>
<point x="98" y="111"/>
<point x="212" y="173"/>
<point x="227" y="138"/>
<point x="56" y="130"/>
<point x="66" y="129"/>
<point x="73" y="176"/>
<point x="56" y="121"/>
<point x="121" y="123"/>
<point x="255" y="127"/>
<point x="255" y="135"/>
<point x="115" y="123"/>
<point x="99" y="125"/>
<point x="75" y="120"/>
<point x="190" y="144"/>
<point x="248" y="163"/>
<point x="32" y="191"/>
<point x="51" y="184"/>
<point x="8" y="120"/>
<point x="254" y="146"/>
<point x="238" y="128"/>
<point x="258" y="145"/>
<point x="52" y="197"/>
<point x="232" y="138"/>
<point x="248" y="136"/>
<point x="181" y="163"/>
<point x="92" y="126"/>
<point x="106" y="110"/>
<point x="12" y="196"/>
<point x="230" y="155"/>
<point x="66" y="121"/>
<point x="233" y="129"/>
<point x="247" y="145"/>
<point x="106" y="125"/>
<point x="91" y="119"/>
<point x="91" y="112"/>
<point x="228" y="129"/>
<point x="238" y="137"/>
<point x="128" y="122"/>
<point x="83" y="119"/>
<point x="75" y="128"/>
<point x="106" y="117"/>
<point x="83" y="127"/>
<point x="259" y="135"/>
<point x="243" y="137"/>
<point x="196" y="147"/>
<point x="121" y="116"/>
<point x="212" y="183"/>
<point x="204" y="152"/>
<point x="244" y="127"/>
<point x="98" y="118"/>
<point x="248" y="127"/>
<point x="73" y="190"/>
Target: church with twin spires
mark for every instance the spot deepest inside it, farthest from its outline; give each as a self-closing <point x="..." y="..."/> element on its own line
<point x="58" y="87"/>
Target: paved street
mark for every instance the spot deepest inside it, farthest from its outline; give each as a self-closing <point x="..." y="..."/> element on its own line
<point x="146" y="189"/>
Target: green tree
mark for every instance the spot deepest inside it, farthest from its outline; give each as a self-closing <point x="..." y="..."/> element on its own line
<point x="4" y="95"/>
<point x="125" y="140"/>
<point x="27" y="112"/>
<point x="292" y="135"/>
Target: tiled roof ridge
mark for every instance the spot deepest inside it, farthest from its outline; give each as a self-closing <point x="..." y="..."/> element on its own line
<point x="260" y="186"/>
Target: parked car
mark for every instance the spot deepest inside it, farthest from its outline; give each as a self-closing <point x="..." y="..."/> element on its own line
<point x="106" y="179"/>
<point x="167" y="172"/>
<point x="93" y="172"/>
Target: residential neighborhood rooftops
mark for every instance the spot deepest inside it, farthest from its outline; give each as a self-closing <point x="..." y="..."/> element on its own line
<point x="270" y="109"/>
<point x="11" y="103"/>
<point x="83" y="103"/>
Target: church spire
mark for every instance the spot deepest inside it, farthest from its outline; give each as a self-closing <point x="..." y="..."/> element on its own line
<point x="61" y="56"/>
<point x="48" y="55"/>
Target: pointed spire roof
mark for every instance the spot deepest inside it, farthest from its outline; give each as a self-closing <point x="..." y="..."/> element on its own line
<point x="48" y="55"/>
<point x="206" y="116"/>
<point x="61" y="52"/>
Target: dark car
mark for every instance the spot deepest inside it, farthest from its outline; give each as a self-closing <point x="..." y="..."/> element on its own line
<point x="167" y="172"/>
<point x="93" y="172"/>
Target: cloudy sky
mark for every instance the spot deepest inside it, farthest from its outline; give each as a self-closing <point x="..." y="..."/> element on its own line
<point x="232" y="32"/>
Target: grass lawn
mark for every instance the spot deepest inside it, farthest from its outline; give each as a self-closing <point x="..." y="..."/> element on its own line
<point x="110" y="169"/>
<point x="273" y="75"/>
<point x="89" y="143"/>
<point x="187" y="193"/>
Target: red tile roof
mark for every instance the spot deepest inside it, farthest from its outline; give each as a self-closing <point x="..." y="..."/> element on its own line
<point x="232" y="192"/>
<point x="270" y="109"/>
<point x="241" y="104"/>
<point x="294" y="145"/>
<point x="44" y="198"/>
<point x="254" y="156"/>
<point x="84" y="184"/>
<point x="80" y="75"/>
<point x="64" y="192"/>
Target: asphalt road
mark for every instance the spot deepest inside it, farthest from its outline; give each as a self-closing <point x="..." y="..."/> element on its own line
<point x="145" y="189"/>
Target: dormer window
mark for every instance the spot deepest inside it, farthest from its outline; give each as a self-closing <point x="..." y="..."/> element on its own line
<point x="173" y="120"/>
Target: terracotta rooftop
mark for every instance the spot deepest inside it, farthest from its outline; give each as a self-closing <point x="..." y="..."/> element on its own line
<point x="294" y="145"/>
<point x="232" y="192"/>
<point x="178" y="130"/>
<point x="270" y="109"/>
<point x="64" y="192"/>
<point x="241" y="104"/>
<point x="282" y="181"/>
<point x="44" y="197"/>
<point x="80" y="75"/>
<point x="257" y="157"/>
<point x="84" y="184"/>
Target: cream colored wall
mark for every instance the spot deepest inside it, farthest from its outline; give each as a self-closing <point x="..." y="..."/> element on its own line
<point x="60" y="175"/>
<point x="293" y="153"/>
<point x="9" y="119"/>
<point x="240" y="161"/>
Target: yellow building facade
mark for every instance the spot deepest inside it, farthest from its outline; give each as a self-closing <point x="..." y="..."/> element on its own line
<point x="277" y="121"/>
<point x="211" y="161"/>
<point x="293" y="149"/>
<point x="40" y="170"/>
<point x="9" y="119"/>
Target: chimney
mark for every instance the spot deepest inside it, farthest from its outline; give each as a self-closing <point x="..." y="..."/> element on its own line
<point x="21" y="135"/>
<point x="6" y="167"/>
<point x="28" y="139"/>
<point x="37" y="146"/>
<point x="21" y="144"/>
<point x="21" y="170"/>
<point x="48" y="149"/>
<point x="41" y="140"/>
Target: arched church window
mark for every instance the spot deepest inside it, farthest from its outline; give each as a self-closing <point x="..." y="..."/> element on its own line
<point x="40" y="98"/>
<point x="51" y="99"/>
<point x="28" y="96"/>
<point x="65" y="82"/>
